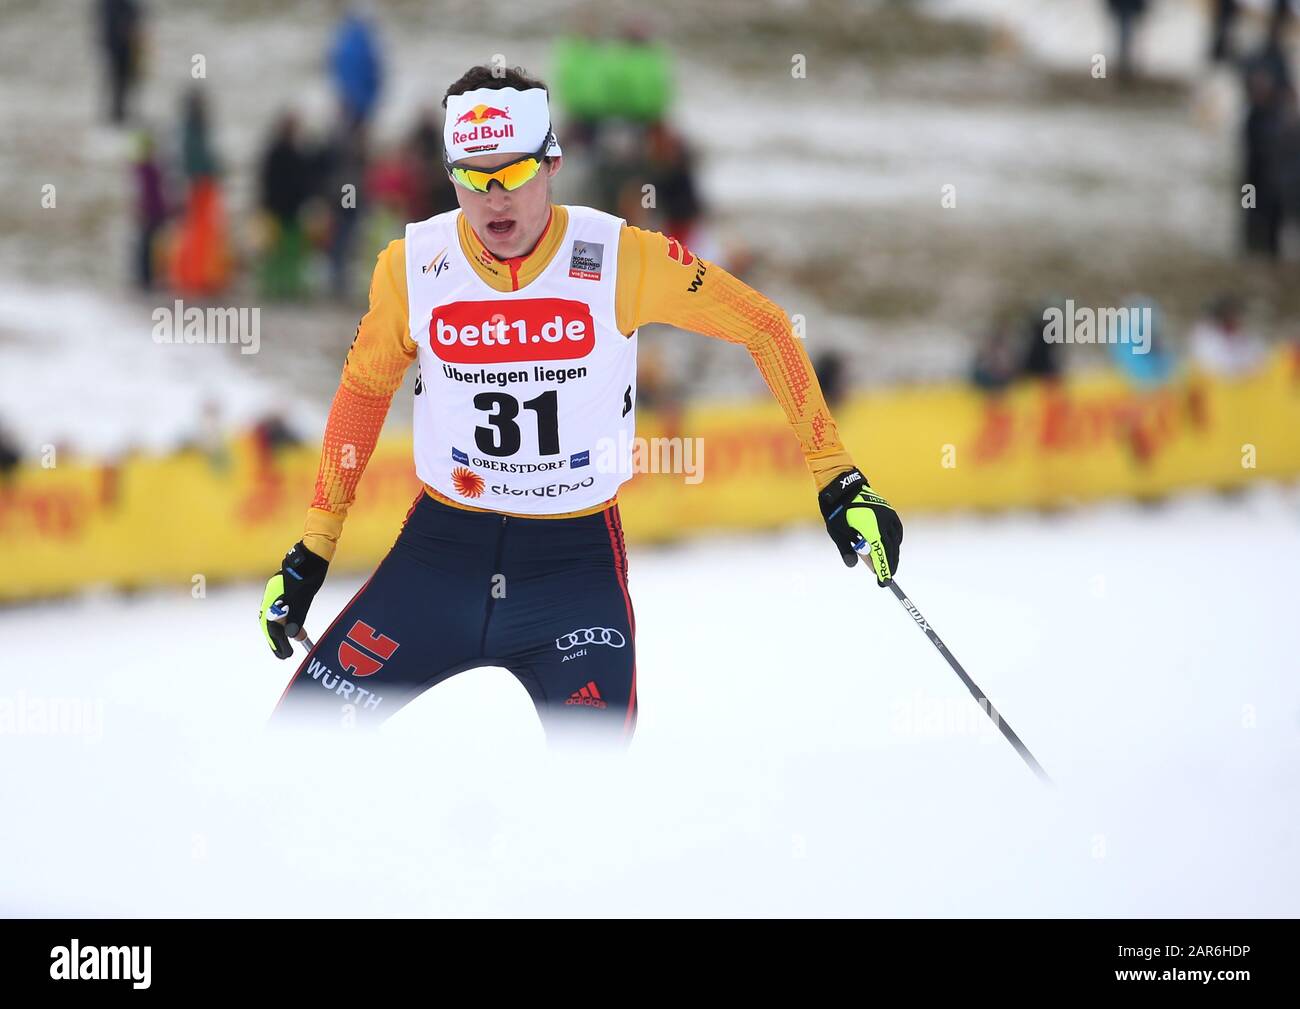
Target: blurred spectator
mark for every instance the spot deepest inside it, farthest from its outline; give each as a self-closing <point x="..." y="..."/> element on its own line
<point x="1219" y="344"/>
<point x="286" y="185"/>
<point x="627" y="78"/>
<point x="673" y="175"/>
<point x="356" y="65"/>
<point x="1285" y="168"/>
<point x="1039" y="358"/>
<point x="150" y="208"/>
<point x="435" y="193"/>
<point x="1225" y="14"/>
<point x="619" y="170"/>
<point x="272" y="433"/>
<point x="830" y="369"/>
<point x="577" y="87"/>
<point x="1142" y="353"/>
<point x="200" y="255"/>
<point x="1126" y="13"/>
<point x="638" y="73"/>
<point x="342" y="171"/>
<point x="1268" y="141"/>
<point x="393" y="183"/>
<point x="120" y="37"/>
<point x="198" y="158"/>
<point x="1224" y="18"/>
<point x="395" y="194"/>
<point x="996" y="363"/>
<point x="1265" y="96"/>
<point x="1141" y="349"/>
<point x="1271" y="57"/>
<point x="10" y="457"/>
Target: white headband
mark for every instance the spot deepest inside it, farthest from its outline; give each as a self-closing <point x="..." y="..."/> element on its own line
<point x="497" y="120"/>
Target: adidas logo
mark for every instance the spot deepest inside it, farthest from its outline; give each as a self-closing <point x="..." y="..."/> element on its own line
<point x="588" y="696"/>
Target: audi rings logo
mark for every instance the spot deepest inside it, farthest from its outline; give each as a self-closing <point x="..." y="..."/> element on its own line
<point x="591" y="636"/>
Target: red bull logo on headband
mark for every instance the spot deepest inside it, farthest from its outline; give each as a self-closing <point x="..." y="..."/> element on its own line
<point x="480" y="119"/>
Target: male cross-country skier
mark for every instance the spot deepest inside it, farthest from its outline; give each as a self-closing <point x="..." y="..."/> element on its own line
<point x="522" y="316"/>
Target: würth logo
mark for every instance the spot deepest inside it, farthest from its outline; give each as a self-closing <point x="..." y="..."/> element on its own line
<point x="75" y="962"/>
<point x="679" y="252"/>
<point x="355" y="661"/>
<point x="520" y="329"/>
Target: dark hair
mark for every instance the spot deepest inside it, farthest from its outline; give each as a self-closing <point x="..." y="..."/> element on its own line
<point x="484" y="76"/>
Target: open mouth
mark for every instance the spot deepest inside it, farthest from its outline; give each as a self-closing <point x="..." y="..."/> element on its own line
<point x="501" y="229"/>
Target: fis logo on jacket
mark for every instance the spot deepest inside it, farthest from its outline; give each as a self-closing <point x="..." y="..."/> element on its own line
<point x="439" y="263"/>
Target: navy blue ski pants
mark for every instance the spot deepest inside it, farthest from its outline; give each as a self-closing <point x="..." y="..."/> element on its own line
<point x="546" y="599"/>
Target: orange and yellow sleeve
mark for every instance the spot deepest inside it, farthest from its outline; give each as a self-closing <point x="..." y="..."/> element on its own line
<point x="381" y="352"/>
<point x="660" y="281"/>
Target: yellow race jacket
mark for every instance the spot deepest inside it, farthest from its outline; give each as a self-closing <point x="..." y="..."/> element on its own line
<point x="658" y="281"/>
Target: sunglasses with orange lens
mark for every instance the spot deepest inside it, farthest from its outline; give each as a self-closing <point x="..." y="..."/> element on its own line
<point x="511" y="175"/>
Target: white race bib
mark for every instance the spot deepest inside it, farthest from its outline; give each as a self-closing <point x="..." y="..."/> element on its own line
<point x="525" y="400"/>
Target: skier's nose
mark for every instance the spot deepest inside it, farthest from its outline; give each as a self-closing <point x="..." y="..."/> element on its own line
<point x="497" y="198"/>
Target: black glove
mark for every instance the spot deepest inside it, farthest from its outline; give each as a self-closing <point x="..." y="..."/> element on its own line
<point x="860" y="520"/>
<point x="288" y="595"/>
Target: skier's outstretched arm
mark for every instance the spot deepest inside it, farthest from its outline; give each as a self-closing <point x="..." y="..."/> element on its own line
<point x="380" y="354"/>
<point x="661" y="281"/>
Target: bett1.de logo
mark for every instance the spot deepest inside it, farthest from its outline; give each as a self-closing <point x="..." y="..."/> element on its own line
<point x="524" y="329"/>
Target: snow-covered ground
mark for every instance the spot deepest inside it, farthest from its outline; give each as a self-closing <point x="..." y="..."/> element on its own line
<point x="802" y="748"/>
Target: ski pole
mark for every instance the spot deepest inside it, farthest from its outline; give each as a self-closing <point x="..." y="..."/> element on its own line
<point x="980" y="697"/>
<point x="307" y="643"/>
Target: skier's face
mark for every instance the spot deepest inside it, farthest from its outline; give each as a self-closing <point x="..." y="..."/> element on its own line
<point x="508" y="223"/>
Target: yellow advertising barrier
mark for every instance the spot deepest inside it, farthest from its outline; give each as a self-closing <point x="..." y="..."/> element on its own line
<point x="232" y="515"/>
